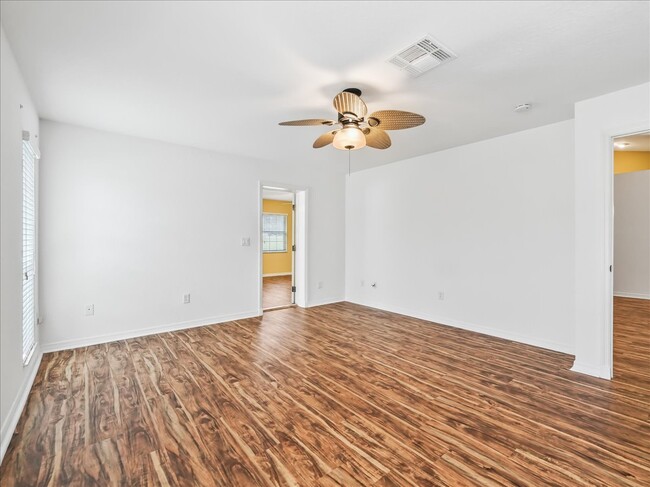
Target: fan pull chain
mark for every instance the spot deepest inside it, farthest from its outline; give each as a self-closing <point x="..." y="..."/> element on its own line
<point x="348" y="162"/>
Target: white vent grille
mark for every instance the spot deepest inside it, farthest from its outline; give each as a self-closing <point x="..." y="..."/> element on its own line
<point x="422" y="56"/>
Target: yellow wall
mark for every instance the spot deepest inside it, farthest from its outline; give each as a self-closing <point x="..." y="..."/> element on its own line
<point x="630" y="161"/>
<point x="279" y="262"/>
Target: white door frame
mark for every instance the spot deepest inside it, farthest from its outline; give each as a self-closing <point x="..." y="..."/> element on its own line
<point x="609" y="235"/>
<point x="300" y="270"/>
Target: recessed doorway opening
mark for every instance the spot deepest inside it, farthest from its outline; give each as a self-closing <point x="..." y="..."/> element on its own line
<point x="282" y="247"/>
<point x="630" y="281"/>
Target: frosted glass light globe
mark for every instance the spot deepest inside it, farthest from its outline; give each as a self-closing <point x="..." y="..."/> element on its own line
<point x="349" y="138"/>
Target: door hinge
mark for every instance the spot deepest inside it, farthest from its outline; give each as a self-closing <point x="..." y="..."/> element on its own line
<point x="293" y="207"/>
<point x="610" y="268"/>
<point x="293" y="247"/>
<point x="293" y="289"/>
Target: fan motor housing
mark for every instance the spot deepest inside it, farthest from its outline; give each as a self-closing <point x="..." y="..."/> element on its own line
<point x="373" y="122"/>
<point x="354" y="91"/>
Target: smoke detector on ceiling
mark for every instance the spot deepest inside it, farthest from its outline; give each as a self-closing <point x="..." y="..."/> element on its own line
<point x="424" y="55"/>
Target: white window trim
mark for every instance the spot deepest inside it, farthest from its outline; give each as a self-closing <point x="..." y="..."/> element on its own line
<point x="286" y="233"/>
<point x="36" y="156"/>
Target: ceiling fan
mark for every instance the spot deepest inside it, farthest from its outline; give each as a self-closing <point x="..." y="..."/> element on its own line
<point x="356" y="130"/>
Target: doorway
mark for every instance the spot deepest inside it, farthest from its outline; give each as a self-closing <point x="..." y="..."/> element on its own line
<point x="282" y="249"/>
<point x="631" y="269"/>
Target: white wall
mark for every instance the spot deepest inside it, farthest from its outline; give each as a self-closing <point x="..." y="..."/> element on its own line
<point x="596" y="121"/>
<point x="16" y="379"/>
<point x="130" y="225"/>
<point x="632" y="234"/>
<point x="490" y="224"/>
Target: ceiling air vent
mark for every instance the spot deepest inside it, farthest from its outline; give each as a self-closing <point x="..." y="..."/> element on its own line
<point x="422" y="56"/>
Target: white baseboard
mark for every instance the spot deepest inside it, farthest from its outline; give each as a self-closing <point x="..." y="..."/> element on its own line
<point x="9" y="426"/>
<point x="622" y="294"/>
<point x="593" y="370"/>
<point x="486" y="330"/>
<point x="324" y="301"/>
<point x="277" y="274"/>
<point x="123" y="335"/>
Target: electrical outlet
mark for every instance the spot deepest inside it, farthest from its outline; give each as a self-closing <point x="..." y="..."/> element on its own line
<point x="441" y="295"/>
<point x="186" y="299"/>
<point x="89" y="310"/>
<point x="245" y="241"/>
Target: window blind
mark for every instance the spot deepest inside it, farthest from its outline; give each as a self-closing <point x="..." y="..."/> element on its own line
<point x="274" y="232"/>
<point x="29" y="250"/>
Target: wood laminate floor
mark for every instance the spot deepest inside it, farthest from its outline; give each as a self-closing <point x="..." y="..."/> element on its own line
<point x="334" y="395"/>
<point x="632" y="342"/>
<point x="276" y="291"/>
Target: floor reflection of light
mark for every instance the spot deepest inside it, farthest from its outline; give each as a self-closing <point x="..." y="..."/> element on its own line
<point x="273" y="335"/>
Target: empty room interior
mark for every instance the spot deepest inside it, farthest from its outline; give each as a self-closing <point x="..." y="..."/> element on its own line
<point x="325" y="243"/>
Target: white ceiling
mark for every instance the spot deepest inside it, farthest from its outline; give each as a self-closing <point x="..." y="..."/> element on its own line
<point x="639" y="142"/>
<point x="221" y="75"/>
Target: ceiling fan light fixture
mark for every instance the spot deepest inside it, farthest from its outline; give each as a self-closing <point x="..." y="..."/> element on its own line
<point x="349" y="137"/>
<point x="356" y="130"/>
